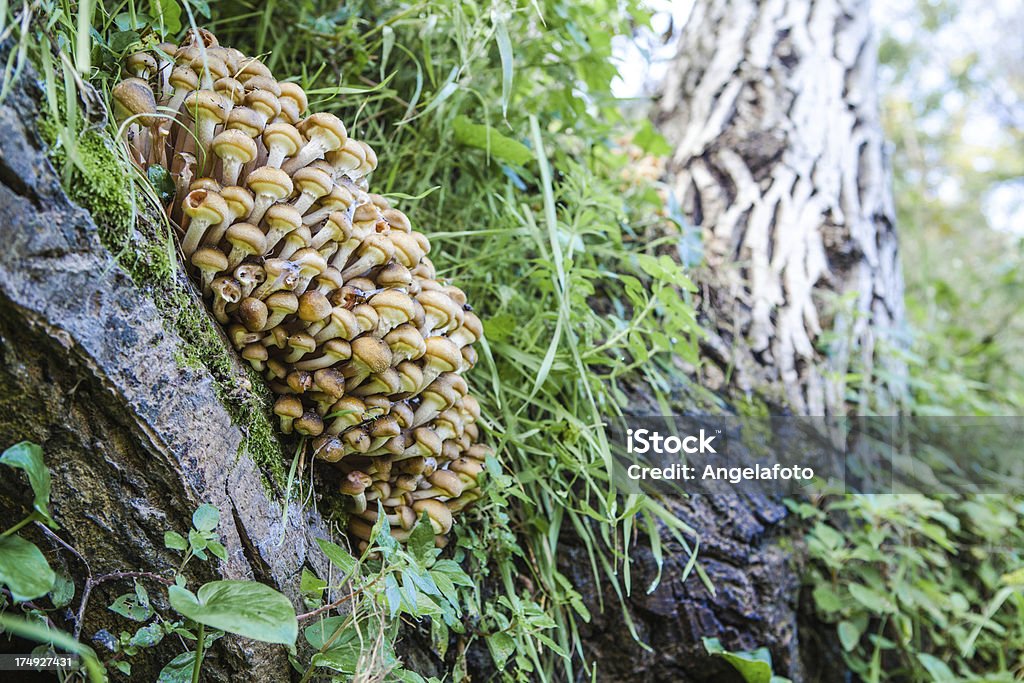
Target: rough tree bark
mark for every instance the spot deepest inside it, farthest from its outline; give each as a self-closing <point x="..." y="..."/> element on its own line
<point x="771" y="108"/>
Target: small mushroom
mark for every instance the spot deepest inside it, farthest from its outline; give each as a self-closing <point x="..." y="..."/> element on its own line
<point x="245" y="240"/>
<point x="280" y="305"/>
<point x="355" y="484"/>
<point x="324" y="132"/>
<point x="282" y="140"/>
<point x="288" y="408"/>
<point x="270" y="185"/>
<point x="210" y="261"/>
<point x="226" y="290"/>
<point x="235" y="149"/>
<point x="311" y="184"/>
<point x="440" y="516"/>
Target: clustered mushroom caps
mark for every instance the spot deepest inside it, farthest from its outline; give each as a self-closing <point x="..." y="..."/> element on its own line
<point x="324" y="288"/>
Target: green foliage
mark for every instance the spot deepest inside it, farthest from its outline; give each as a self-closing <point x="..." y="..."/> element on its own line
<point x="754" y="666"/>
<point x="915" y="585"/>
<point x="246" y="608"/>
<point x="23" y="567"/>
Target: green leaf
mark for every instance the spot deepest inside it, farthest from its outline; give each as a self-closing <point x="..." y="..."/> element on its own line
<point x="167" y="13"/>
<point x="161" y="180"/>
<point x="651" y="141"/>
<point x="502" y="646"/>
<point x="28" y="456"/>
<point x="24" y="569"/>
<point x="178" y="670"/>
<point x="338" y="556"/>
<point x="147" y="636"/>
<point x="175" y="541"/>
<point x="63" y="590"/>
<point x="849" y="635"/>
<point x="874" y="601"/>
<point x="246" y="608"/>
<point x="500" y="20"/>
<point x="311" y="584"/>
<point x="421" y="542"/>
<point x="206" y="517"/>
<point x="940" y="673"/>
<point x="827" y="599"/>
<point x="197" y="541"/>
<point x="754" y="667"/>
<point x="130" y="607"/>
<point x="439" y="637"/>
<point x="217" y="549"/>
<point x="487" y="138"/>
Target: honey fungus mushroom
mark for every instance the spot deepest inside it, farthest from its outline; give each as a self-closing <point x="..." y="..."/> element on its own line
<point x="325" y="289"/>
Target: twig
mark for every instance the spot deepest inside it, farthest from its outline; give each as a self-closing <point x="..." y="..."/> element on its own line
<point x="91" y="583"/>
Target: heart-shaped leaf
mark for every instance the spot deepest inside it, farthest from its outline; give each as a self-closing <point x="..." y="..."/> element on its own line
<point x="246" y="608"/>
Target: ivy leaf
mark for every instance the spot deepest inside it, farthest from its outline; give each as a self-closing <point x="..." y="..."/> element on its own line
<point x="24" y="569"/>
<point x="206" y="517"/>
<point x="246" y="608"/>
<point x="28" y="456"/>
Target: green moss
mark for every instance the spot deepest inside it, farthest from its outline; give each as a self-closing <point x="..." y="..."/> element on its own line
<point x="92" y="177"/>
<point x="96" y="179"/>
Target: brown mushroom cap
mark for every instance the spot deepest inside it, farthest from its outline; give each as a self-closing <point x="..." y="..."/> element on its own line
<point x="440" y="516"/>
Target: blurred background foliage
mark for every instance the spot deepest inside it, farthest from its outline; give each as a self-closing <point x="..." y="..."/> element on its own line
<point x="952" y="79"/>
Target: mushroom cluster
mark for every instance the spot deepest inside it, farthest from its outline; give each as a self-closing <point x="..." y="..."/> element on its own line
<point x="323" y="287"/>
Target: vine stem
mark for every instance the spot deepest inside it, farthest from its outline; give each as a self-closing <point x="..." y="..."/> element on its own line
<point x="198" y="664"/>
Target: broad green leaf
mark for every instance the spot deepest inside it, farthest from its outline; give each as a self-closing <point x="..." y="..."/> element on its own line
<point x="827" y="599"/>
<point x="246" y="608"/>
<point x="487" y="138"/>
<point x="849" y="635"/>
<point x="206" y="517"/>
<point x="178" y="670"/>
<point x="147" y="636"/>
<point x="28" y="456"/>
<point x="311" y="584"/>
<point x="175" y="541"/>
<point x="24" y="569"/>
<point x="63" y="590"/>
<point x="874" y="601"/>
<point x="754" y="667"/>
<point x="168" y="15"/>
<point x="502" y="646"/>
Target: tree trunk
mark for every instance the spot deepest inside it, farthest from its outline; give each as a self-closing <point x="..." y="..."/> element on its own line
<point x="133" y="440"/>
<point x="771" y="109"/>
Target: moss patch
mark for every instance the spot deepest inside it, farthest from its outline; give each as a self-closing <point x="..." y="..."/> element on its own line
<point x="96" y="179"/>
